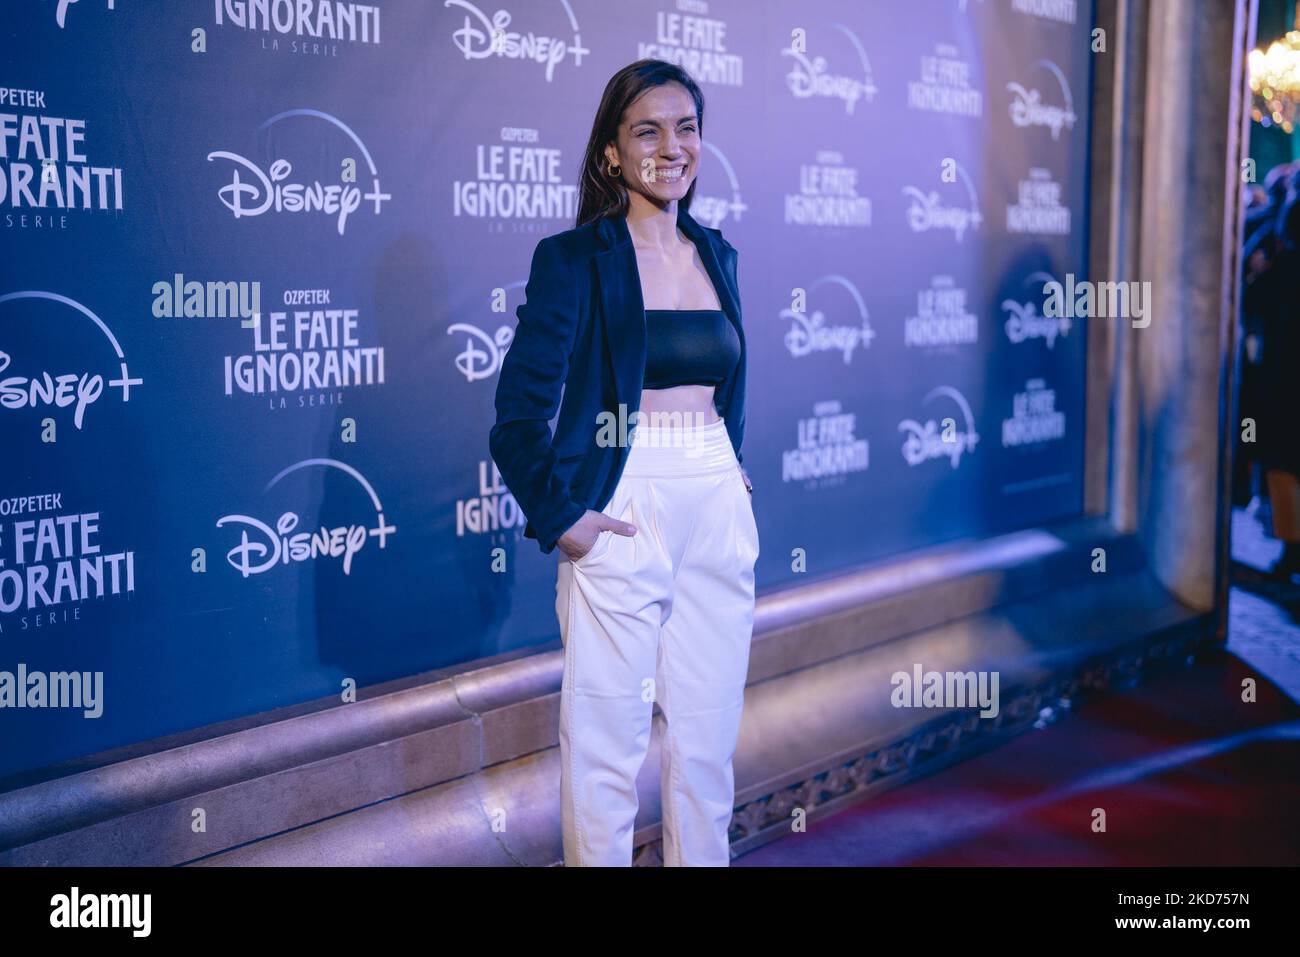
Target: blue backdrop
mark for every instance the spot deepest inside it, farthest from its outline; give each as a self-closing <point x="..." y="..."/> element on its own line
<point x="224" y="515"/>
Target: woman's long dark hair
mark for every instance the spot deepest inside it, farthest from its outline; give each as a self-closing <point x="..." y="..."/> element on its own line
<point x="600" y="194"/>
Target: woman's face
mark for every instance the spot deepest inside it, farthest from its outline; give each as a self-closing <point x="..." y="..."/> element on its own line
<point x="658" y="144"/>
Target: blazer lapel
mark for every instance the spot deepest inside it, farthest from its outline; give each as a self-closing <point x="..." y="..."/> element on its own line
<point x="624" y="307"/>
<point x="714" y="256"/>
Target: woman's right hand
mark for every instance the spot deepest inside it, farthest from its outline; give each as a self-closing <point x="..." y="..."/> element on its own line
<point x="583" y="534"/>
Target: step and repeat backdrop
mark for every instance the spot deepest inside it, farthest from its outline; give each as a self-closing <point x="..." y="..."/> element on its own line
<point x="261" y="264"/>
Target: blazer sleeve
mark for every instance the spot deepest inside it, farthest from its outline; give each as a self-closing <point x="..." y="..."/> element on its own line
<point x="737" y="402"/>
<point x="528" y="395"/>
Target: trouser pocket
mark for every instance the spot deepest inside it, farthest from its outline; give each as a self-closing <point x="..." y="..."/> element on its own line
<point x="748" y="522"/>
<point x="615" y="508"/>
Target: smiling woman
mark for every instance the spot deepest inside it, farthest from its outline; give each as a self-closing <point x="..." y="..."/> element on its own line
<point x="687" y="355"/>
<point x="656" y="532"/>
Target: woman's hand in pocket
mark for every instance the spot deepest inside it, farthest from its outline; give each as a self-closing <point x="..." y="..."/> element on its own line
<point x="583" y="534"/>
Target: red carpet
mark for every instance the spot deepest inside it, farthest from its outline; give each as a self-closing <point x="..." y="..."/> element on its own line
<point x="1186" y="773"/>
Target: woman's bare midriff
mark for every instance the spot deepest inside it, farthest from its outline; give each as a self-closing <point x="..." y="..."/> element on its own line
<point x="678" y="406"/>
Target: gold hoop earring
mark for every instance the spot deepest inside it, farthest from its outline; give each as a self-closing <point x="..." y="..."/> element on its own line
<point x="614" y="170"/>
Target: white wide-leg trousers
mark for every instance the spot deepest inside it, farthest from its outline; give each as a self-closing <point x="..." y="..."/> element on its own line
<point x="663" y="616"/>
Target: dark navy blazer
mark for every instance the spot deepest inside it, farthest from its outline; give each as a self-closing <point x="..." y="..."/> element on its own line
<point x="582" y="330"/>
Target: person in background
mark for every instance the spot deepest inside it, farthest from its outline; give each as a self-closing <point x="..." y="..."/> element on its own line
<point x="1271" y="372"/>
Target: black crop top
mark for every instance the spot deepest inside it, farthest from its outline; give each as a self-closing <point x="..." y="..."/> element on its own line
<point x="689" y="347"/>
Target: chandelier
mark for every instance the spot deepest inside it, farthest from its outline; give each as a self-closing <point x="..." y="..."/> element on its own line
<point x="1275" y="80"/>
